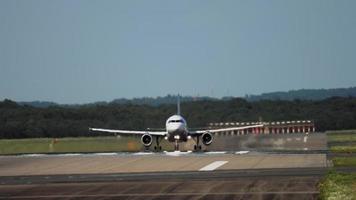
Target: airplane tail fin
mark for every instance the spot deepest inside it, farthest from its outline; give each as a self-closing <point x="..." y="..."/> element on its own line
<point x="178" y="105"/>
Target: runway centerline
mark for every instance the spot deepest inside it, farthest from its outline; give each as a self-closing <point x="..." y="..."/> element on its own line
<point x="213" y="166"/>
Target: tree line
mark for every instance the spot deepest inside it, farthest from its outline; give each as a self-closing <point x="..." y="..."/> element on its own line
<point x="24" y="121"/>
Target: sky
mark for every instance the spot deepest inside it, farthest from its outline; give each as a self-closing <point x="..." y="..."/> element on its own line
<point x="85" y="51"/>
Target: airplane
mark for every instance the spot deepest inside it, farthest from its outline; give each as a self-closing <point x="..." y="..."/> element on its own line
<point x="176" y="131"/>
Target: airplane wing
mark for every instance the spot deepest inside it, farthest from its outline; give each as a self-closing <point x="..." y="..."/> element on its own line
<point x="199" y="132"/>
<point x="127" y="132"/>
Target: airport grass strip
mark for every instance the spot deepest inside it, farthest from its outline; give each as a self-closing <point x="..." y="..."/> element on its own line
<point x="344" y="161"/>
<point x="343" y="149"/>
<point x="338" y="186"/>
<point x="72" y="145"/>
<point x="341" y="136"/>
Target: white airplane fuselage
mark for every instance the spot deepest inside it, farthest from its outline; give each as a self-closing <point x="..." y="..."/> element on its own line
<point x="176" y="128"/>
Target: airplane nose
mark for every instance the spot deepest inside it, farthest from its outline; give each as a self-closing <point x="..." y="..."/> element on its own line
<point x="180" y="127"/>
<point x="176" y="127"/>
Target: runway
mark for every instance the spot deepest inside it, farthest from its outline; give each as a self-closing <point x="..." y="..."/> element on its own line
<point x="224" y="184"/>
<point x="297" y="183"/>
<point x="152" y="162"/>
<point x="282" y="172"/>
<point x="171" y="175"/>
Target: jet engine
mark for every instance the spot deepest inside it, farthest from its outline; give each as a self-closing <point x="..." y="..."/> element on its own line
<point x="146" y="140"/>
<point x="207" y="138"/>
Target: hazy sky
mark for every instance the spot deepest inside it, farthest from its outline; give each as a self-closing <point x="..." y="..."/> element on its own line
<point x="85" y="51"/>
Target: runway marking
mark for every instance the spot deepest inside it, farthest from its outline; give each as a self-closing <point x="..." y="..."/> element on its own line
<point x="214" y="165"/>
<point x="32" y="155"/>
<point x="142" y="153"/>
<point x="305" y="139"/>
<point x="177" y="153"/>
<point x="215" y="152"/>
<point x="241" y="152"/>
<point x="104" y="154"/>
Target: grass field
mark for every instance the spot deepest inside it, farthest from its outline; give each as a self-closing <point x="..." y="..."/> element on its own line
<point x="341" y="136"/>
<point x="73" y="145"/>
<point x="338" y="186"/>
<point x="343" y="149"/>
<point x="344" y="161"/>
<point x="342" y="141"/>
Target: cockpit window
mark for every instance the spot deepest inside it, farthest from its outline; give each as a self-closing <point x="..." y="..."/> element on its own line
<point x="175" y="121"/>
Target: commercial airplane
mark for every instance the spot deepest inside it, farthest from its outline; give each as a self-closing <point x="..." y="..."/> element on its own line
<point x="176" y="131"/>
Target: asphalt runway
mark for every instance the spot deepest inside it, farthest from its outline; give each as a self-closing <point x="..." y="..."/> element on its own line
<point x="170" y="175"/>
<point x="299" y="188"/>
<point x="293" y="183"/>
<point x="243" y="167"/>
<point x="226" y="184"/>
<point x="152" y="162"/>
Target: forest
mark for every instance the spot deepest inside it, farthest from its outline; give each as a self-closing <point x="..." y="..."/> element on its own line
<point x="25" y="121"/>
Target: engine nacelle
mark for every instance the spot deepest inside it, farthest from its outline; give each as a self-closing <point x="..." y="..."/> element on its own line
<point x="146" y="140"/>
<point x="207" y="138"/>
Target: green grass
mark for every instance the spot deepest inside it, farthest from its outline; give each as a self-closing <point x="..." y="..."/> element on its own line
<point x="341" y="136"/>
<point x="344" y="161"/>
<point x="341" y="132"/>
<point x="343" y="149"/>
<point x="338" y="186"/>
<point x="342" y="141"/>
<point x="80" y="144"/>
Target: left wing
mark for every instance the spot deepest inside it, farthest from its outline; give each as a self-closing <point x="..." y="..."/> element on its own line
<point x="199" y="132"/>
<point x="127" y="132"/>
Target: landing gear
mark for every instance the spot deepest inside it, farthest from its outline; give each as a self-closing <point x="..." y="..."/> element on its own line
<point x="197" y="147"/>
<point x="176" y="146"/>
<point x="158" y="147"/>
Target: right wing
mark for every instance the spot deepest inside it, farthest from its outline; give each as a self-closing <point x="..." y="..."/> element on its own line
<point x="127" y="132"/>
<point x="200" y="132"/>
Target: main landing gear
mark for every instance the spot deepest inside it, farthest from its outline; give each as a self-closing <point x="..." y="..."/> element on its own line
<point x="158" y="147"/>
<point x="197" y="147"/>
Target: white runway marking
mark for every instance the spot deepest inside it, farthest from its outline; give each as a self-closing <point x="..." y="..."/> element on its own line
<point x="143" y="153"/>
<point x="214" y="165"/>
<point x="241" y="152"/>
<point x="305" y="139"/>
<point x="177" y="153"/>
<point x="67" y="154"/>
<point x="215" y="152"/>
<point x="32" y="155"/>
<point x="104" y="154"/>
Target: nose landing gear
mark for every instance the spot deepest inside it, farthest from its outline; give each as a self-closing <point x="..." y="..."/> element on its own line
<point x="176" y="146"/>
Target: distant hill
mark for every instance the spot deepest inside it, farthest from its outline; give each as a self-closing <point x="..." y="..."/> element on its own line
<point x="304" y="94"/>
<point x="169" y="99"/>
<point x="38" y="104"/>
<point x="152" y="101"/>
